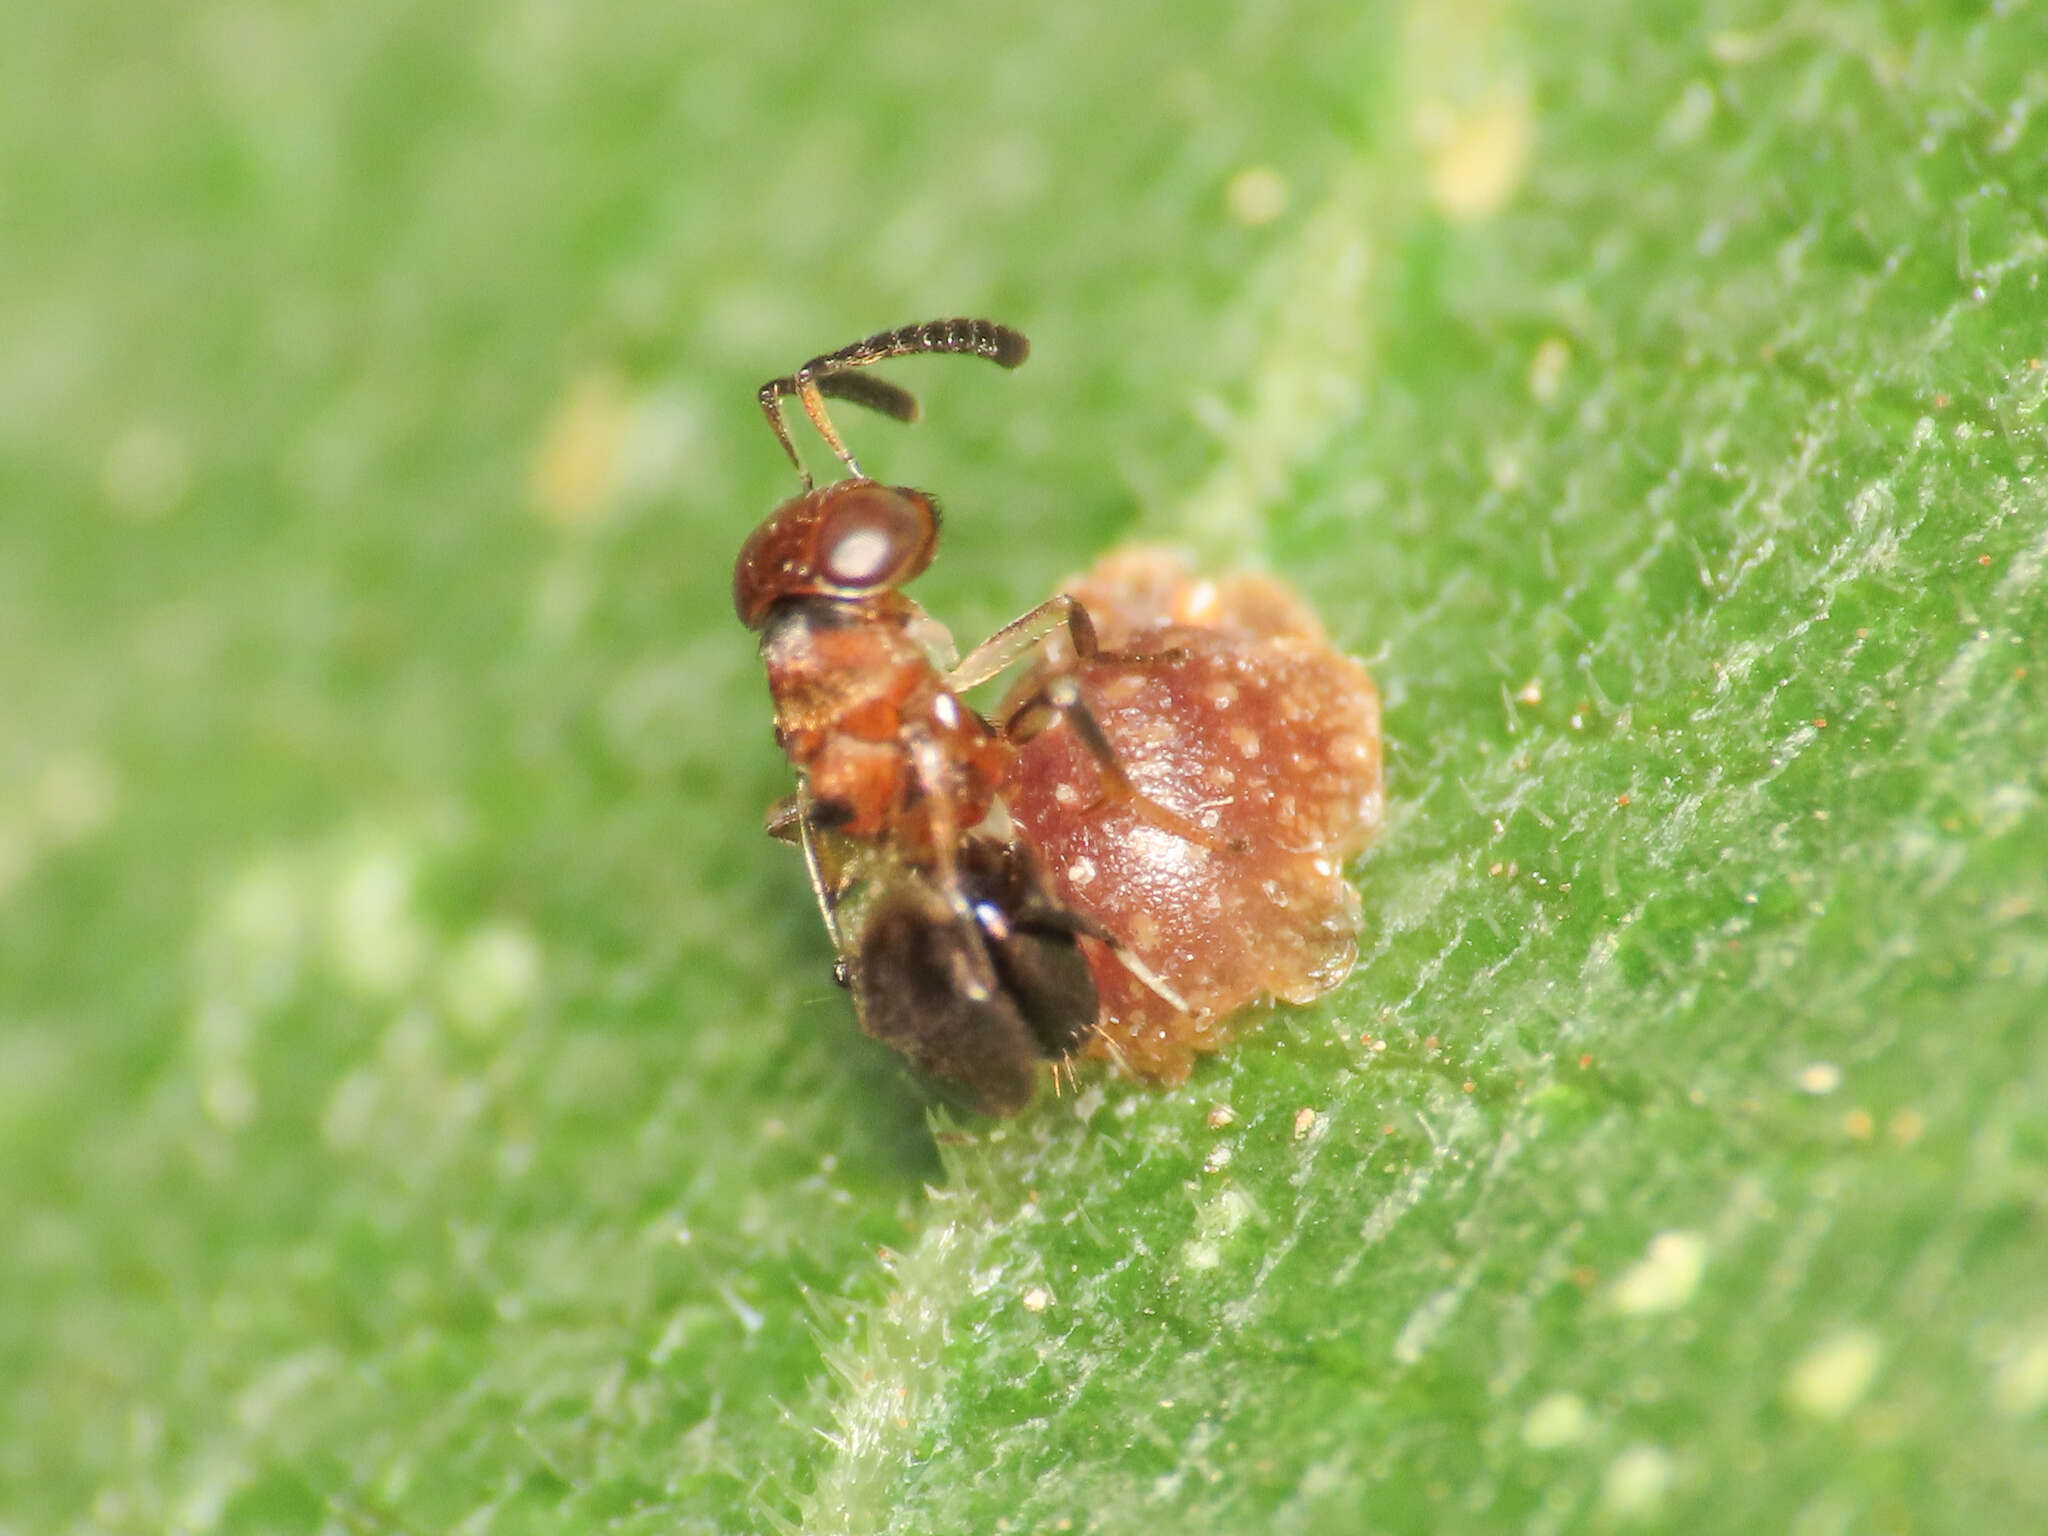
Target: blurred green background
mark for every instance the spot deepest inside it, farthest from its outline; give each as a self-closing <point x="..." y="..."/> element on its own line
<point x="423" y="1102"/>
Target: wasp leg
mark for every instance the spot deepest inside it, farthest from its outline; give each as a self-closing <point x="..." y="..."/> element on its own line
<point x="1077" y="922"/>
<point x="1060" y="698"/>
<point x="795" y="819"/>
<point x="928" y="757"/>
<point x="782" y="820"/>
<point x="1015" y="639"/>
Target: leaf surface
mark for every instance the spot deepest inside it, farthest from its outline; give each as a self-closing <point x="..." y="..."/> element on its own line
<point x="424" y="1101"/>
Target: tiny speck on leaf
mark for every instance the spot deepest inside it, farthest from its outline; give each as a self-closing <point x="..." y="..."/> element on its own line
<point x="1819" y="1078"/>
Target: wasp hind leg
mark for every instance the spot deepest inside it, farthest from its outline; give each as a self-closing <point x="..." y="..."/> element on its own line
<point x="1084" y="926"/>
<point x="1060" y="699"/>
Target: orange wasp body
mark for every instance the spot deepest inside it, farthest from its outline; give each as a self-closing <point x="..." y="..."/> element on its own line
<point x="955" y="948"/>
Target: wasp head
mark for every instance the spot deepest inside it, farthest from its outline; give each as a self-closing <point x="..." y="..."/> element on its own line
<point x="851" y="540"/>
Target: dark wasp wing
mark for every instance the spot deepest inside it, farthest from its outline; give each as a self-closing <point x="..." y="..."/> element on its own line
<point x="1032" y="940"/>
<point x="977" y="999"/>
<point x="927" y="988"/>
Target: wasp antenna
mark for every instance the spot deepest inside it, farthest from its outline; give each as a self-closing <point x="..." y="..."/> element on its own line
<point x="1000" y="344"/>
<point x="831" y="373"/>
<point x="771" y="407"/>
<point x="877" y="394"/>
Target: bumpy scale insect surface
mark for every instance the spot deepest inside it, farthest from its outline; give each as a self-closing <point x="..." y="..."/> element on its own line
<point x="1250" y="724"/>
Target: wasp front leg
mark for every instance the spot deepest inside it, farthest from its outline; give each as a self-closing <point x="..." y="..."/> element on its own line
<point x="796" y="819"/>
<point x="1015" y="640"/>
<point x="934" y="769"/>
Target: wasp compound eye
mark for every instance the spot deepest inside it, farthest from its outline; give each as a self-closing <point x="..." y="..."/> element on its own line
<point x="874" y="537"/>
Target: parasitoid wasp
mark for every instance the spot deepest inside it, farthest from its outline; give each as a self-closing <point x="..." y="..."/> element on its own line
<point x="955" y="948"/>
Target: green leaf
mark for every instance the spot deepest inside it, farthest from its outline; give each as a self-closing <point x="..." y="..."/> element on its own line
<point x="422" y="1095"/>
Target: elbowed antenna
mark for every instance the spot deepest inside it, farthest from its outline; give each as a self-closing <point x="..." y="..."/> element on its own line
<point x="832" y="374"/>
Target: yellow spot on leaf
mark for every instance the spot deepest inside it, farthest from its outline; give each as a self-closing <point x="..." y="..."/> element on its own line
<point x="375" y="939"/>
<point x="491" y="976"/>
<point x="1664" y="1279"/>
<point x="1819" y="1078"/>
<point x="1831" y="1377"/>
<point x="577" y="468"/>
<point x="1557" y="1421"/>
<point x="2019" y="1377"/>
<point x="1477" y="153"/>
<point x="1257" y="196"/>
<point x="1546" y="369"/>
<point x="1637" y="1481"/>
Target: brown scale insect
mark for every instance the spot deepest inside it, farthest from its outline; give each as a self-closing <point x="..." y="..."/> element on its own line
<point x="955" y="947"/>
<point x="1248" y="722"/>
